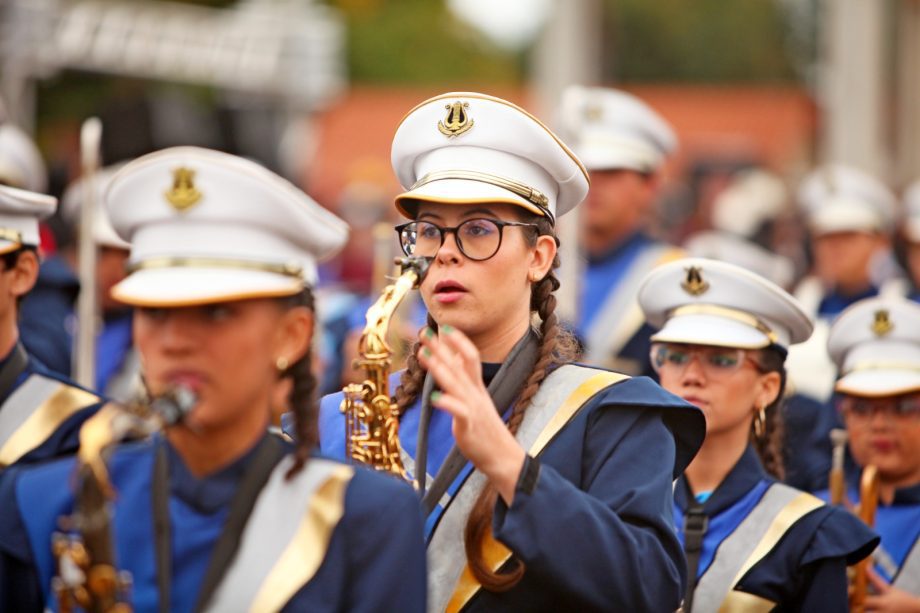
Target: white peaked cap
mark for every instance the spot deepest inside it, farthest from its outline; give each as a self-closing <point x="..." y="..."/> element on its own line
<point x="21" y="164"/>
<point x="72" y="202"/>
<point x="464" y="147"/>
<point x="610" y="130"/>
<point x="912" y="212"/>
<point x="20" y="212"/>
<point x="875" y="344"/>
<point x="753" y="198"/>
<point x="707" y="302"/>
<point x="838" y="198"/>
<point x="206" y="226"/>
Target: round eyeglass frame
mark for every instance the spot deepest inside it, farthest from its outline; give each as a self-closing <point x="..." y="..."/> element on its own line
<point x="443" y="231"/>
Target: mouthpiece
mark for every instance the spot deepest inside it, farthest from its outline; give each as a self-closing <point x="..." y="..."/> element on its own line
<point x="175" y="404"/>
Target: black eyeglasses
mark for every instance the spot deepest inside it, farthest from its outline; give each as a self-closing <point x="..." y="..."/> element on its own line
<point x="906" y="406"/>
<point x="477" y="239"/>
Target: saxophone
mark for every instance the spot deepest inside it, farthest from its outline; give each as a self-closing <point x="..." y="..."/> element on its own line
<point x="87" y="577"/>
<point x="371" y="417"/>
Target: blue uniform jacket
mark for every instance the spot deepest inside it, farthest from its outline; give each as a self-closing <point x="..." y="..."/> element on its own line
<point x="806" y="571"/>
<point x="603" y="277"/>
<point x="897" y="523"/>
<point x="65" y="438"/>
<point x="596" y="532"/>
<point x="374" y="561"/>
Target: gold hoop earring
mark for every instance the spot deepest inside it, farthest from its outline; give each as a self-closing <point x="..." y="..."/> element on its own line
<point x="281" y="364"/>
<point x="760" y="423"/>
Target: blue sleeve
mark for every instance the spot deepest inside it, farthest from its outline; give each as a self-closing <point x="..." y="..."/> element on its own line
<point x="610" y="540"/>
<point x="332" y="427"/>
<point x="385" y="546"/>
<point x="43" y="327"/>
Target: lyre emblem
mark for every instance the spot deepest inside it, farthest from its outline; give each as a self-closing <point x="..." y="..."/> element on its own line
<point x="458" y="120"/>
<point x="694" y="283"/>
<point x="882" y="324"/>
<point x="183" y="193"/>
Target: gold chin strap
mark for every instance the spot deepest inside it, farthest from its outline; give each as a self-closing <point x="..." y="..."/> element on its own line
<point x="290" y="269"/>
<point x="531" y="194"/>
<point x="728" y="313"/>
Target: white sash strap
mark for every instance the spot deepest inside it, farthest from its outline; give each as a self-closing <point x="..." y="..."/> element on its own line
<point x="286" y="538"/>
<point x="736" y="553"/>
<point x="620" y="316"/>
<point x="34" y="411"/>
<point x="908" y="578"/>
<point x="446" y="553"/>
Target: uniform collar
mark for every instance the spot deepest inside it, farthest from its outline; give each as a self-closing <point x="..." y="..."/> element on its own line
<point x="744" y="475"/>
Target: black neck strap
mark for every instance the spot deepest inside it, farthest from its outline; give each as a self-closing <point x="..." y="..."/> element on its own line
<point x="695" y="524"/>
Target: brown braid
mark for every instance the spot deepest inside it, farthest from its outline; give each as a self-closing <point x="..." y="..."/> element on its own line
<point x="556" y="347"/>
<point x="302" y="399"/>
<point x="770" y="446"/>
<point x="410" y="383"/>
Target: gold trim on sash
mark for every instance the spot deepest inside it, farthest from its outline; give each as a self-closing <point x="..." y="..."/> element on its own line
<point x="306" y="551"/>
<point x="63" y="402"/>
<point x="798" y="507"/>
<point x="494" y="553"/>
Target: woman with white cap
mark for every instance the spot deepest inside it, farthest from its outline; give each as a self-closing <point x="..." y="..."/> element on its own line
<point x="876" y="346"/>
<point x="551" y="481"/>
<point x="750" y="540"/>
<point x="217" y="514"/>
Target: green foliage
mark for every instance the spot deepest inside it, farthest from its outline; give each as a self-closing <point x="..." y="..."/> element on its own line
<point x="699" y="40"/>
<point x="420" y="41"/>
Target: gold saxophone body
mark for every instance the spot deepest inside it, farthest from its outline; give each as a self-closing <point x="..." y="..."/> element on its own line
<point x="371" y="416"/>
<point x="87" y="577"/>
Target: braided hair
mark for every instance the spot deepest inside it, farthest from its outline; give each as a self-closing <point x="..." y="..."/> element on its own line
<point x="557" y="346"/>
<point x="769" y="445"/>
<point x="302" y="398"/>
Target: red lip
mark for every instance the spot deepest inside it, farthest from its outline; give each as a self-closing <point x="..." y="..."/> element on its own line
<point x="883" y="445"/>
<point x="449" y="285"/>
<point x="192" y="379"/>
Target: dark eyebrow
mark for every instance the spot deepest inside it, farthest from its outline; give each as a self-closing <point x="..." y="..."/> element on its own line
<point x="479" y="211"/>
<point x="429" y="214"/>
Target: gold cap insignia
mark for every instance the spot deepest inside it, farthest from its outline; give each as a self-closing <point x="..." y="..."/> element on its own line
<point x="694" y="283"/>
<point x="458" y="120"/>
<point x="593" y="112"/>
<point x="183" y="193"/>
<point x="882" y="324"/>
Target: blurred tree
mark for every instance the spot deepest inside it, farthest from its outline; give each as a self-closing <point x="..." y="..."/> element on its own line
<point x="703" y="40"/>
<point x="420" y="41"/>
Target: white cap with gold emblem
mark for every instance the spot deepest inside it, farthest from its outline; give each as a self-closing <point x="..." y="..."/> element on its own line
<point x="838" y="198"/>
<point x="206" y="226"/>
<point x="464" y="147"/>
<point x="612" y="130"/>
<point x="20" y="211"/>
<point x="707" y="302"/>
<point x="875" y="344"/>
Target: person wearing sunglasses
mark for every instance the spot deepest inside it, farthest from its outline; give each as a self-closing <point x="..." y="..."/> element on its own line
<point x="876" y="346"/>
<point x="216" y="513"/>
<point x="546" y="485"/>
<point x="750" y="541"/>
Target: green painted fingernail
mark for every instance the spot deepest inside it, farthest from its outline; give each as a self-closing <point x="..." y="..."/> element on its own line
<point x="426" y="352"/>
<point x="435" y="396"/>
<point x="447" y="329"/>
<point x="429" y="333"/>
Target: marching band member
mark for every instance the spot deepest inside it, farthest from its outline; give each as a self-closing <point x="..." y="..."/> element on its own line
<point x="749" y="540"/>
<point x="41" y="412"/>
<point x="552" y="482"/>
<point x="876" y="345"/>
<point x="218" y="514"/>
<point x="624" y="144"/>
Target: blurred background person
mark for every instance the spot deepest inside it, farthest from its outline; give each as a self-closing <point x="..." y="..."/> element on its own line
<point x="742" y="221"/>
<point x="875" y="344"/>
<point x="907" y="247"/>
<point x="48" y="314"/>
<point x="623" y="143"/>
